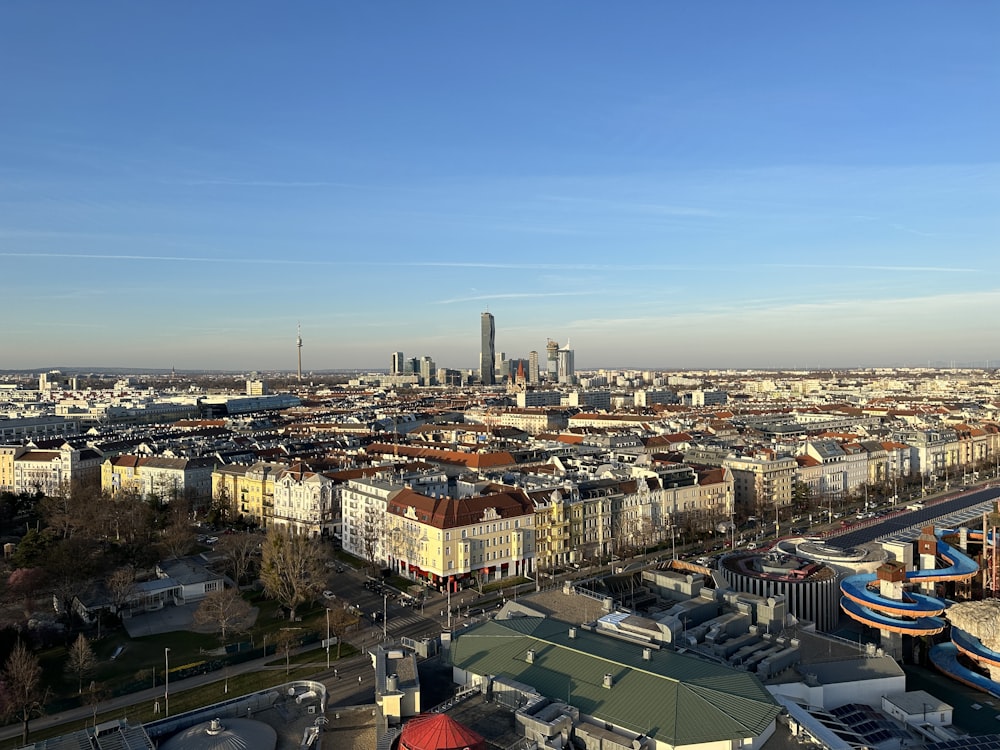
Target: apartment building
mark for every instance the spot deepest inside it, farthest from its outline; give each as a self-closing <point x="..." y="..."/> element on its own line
<point x="532" y="421"/>
<point x="363" y="508"/>
<point x="452" y="542"/>
<point x="32" y="470"/>
<point x="303" y="501"/>
<point x="761" y="482"/>
<point x="166" y="479"/>
<point x="248" y="490"/>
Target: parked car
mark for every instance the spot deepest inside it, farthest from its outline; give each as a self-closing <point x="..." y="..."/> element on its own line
<point x="329" y="594"/>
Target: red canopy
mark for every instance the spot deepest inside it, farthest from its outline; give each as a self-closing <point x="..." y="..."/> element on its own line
<point x="438" y="732"/>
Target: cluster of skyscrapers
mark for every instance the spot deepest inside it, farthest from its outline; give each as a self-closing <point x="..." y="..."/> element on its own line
<point x="494" y="367"/>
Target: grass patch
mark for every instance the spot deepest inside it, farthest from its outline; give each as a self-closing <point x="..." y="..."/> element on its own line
<point x="502" y="584"/>
<point x="180" y="702"/>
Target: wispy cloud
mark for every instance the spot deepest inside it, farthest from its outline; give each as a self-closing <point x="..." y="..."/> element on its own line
<point x="271" y="184"/>
<point x="808" y="313"/>
<point x="661" y="209"/>
<point x="900" y="269"/>
<point x="917" y="232"/>
<point x="561" y="267"/>
<point x="511" y="295"/>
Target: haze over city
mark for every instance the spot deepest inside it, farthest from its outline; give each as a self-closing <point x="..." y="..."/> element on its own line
<point x="773" y="184"/>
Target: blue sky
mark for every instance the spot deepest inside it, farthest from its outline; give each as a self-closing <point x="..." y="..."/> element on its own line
<point x="728" y="184"/>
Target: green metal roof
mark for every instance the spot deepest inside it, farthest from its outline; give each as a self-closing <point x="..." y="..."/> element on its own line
<point x="673" y="698"/>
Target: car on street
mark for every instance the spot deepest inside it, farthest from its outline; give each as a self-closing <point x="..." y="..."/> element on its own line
<point x="329" y="594"/>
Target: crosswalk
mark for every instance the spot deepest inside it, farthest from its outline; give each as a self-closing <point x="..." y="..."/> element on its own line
<point x="400" y="621"/>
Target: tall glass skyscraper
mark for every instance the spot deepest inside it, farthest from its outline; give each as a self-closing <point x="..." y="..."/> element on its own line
<point x="487" y="353"/>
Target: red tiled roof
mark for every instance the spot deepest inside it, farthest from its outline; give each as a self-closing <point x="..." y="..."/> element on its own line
<point x="447" y="512"/>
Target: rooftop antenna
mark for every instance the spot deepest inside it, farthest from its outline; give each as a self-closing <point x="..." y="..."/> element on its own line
<point x="298" y="344"/>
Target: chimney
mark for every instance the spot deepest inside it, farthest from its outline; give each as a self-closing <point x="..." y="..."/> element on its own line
<point x="647" y="654"/>
<point x="530" y="656"/>
<point x="572" y="632"/>
<point x="609" y="680"/>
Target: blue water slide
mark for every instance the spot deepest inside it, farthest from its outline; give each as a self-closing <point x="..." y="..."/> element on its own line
<point x="974" y="646"/>
<point x="857" y="587"/>
<point x="915" y="613"/>
<point x="944" y="656"/>
<point x="960" y="565"/>
<point x="917" y="626"/>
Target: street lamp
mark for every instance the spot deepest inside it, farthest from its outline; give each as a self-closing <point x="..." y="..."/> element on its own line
<point x="328" y="638"/>
<point x="166" y="682"/>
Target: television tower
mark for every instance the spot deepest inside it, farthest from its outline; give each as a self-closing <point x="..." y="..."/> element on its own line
<point x="298" y="344"/>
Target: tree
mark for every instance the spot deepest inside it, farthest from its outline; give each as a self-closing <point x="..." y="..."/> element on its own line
<point x="225" y="611"/>
<point x="69" y="564"/>
<point x="372" y="530"/>
<point x="221" y="511"/>
<point x="240" y="552"/>
<point x="177" y="538"/>
<point x="63" y="511"/>
<point x="340" y="621"/>
<point x="80" y="660"/>
<point x="95" y="694"/>
<point x="25" y="582"/>
<point x="285" y="641"/>
<point x="23" y="696"/>
<point x="292" y="568"/>
<point x="32" y="549"/>
<point x="121" y="585"/>
<point x="802" y="496"/>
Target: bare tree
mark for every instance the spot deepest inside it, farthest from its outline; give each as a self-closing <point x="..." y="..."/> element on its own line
<point x="178" y="537"/>
<point x="96" y="693"/>
<point x="65" y="510"/>
<point x="70" y="563"/>
<point x="127" y="518"/>
<point x="23" y="697"/>
<point x="240" y="553"/>
<point x="372" y="529"/>
<point x="285" y="641"/>
<point x="80" y="660"/>
<point x="121" y="585"/>
<point x="25" y="583"/>
<point x="340" y="622"/>
<point x="225" y="611"/>
<point x="292" y="568"/>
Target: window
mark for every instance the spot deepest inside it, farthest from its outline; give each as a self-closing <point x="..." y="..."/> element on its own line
<point x="447" y="536"/>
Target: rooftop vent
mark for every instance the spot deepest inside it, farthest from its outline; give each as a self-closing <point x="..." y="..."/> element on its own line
<point x="609" y="680"/>
<point x="647" y="654"/>
<point x="572" y="632"/>
<point x="530" y="656"/>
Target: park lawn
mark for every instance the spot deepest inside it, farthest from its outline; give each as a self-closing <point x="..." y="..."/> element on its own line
<point x="136" y="662"/>
<point x="314" y="656"/>
<point x="141" y="661"/>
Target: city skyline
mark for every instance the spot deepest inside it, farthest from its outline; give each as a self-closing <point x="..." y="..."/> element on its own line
<point x="781" y="185"/>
